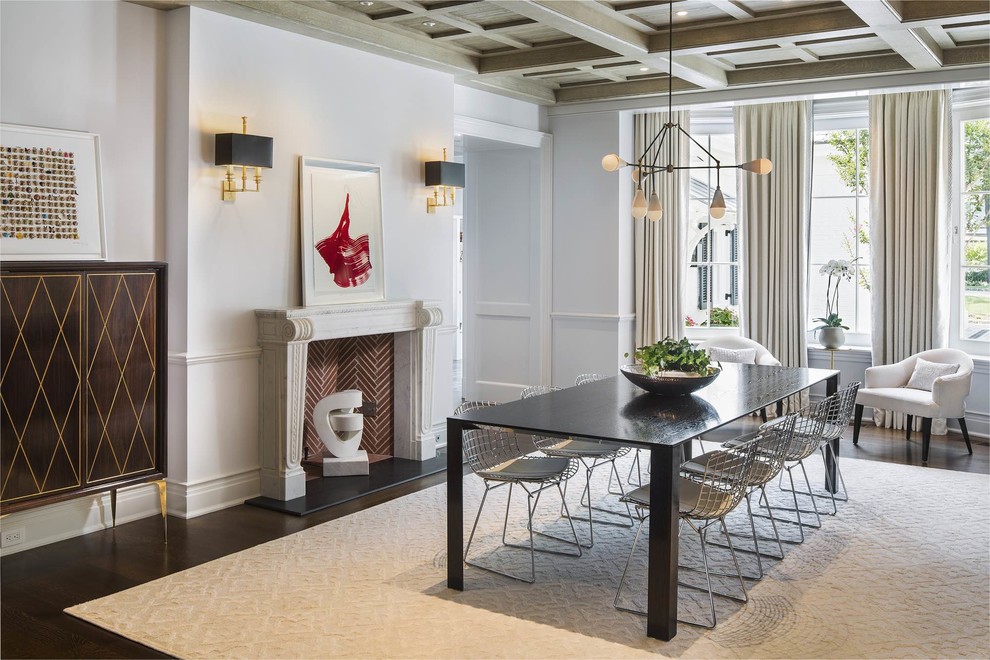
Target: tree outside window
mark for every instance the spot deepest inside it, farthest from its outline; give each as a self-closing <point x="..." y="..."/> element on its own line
<point x="975" y="205"/>
<point x="840" y="210"/>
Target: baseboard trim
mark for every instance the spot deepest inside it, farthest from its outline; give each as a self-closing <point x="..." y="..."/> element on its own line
<point x="84" y="515"/>
<point x="79" y="516"/>
<point x="193" y="500"/>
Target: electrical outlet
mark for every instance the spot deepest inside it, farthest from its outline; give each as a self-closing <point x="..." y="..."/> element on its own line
<point x="13" y="536"/>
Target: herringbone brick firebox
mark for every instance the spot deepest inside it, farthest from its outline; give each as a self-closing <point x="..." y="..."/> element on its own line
<point x="353" y="363"/>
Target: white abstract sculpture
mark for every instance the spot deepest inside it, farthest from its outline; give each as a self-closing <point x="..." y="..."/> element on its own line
<point x="339" y="427"/>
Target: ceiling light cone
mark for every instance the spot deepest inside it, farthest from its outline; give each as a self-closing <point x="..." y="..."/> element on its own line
<point x="634" y="173"/>
<point x="612" y="162"/>
<point x="758" y="166"/>
<point x="639" y="205"/>
<point x="654" y="211"/>
<point x="717" y="208"/>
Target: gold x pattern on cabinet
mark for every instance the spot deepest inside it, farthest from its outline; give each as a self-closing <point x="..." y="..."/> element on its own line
<point x="121" y="381"/>
<point x="40" y="417"/>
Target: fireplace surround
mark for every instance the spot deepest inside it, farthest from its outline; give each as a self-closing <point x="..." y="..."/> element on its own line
<point x="284" y="336"/>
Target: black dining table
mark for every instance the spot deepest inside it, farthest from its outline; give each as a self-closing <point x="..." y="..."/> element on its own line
<point x="615" y="410"/>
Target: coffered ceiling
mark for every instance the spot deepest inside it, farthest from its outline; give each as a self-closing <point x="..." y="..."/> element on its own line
<point x="570" y="51"/>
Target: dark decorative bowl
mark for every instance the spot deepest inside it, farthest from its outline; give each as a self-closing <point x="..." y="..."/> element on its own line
<point x="669" y="384"/>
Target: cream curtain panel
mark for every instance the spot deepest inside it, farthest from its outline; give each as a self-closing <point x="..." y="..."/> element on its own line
<point x="659" y="246"/>
<point x="910" y="146"/>
<point x="773" y="221"/>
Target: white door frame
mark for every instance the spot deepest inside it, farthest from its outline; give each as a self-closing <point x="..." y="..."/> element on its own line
<point x="544" y="142"/>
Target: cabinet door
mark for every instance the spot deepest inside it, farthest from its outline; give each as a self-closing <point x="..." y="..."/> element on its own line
<point x="121" y="382"/>
<point x="40" y="384"/>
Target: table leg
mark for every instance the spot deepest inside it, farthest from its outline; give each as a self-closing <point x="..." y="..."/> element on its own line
<point x="831" y="387"/>
<point x="661" y="614"/>
<point x="455" y="506"/>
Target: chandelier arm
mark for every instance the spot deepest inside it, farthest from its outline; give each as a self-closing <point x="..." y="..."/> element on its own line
<point x="659" y="136"/>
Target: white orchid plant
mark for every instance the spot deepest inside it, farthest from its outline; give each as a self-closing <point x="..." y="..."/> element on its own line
<point x="837" y="271"/>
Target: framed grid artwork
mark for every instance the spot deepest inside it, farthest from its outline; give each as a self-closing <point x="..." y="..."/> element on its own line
<point x="51" y="198"/>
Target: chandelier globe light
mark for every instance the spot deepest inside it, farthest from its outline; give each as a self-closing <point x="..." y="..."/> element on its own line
<point x="642" y="167"/>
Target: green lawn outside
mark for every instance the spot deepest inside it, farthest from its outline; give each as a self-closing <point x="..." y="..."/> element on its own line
<point x="978" y="308"/>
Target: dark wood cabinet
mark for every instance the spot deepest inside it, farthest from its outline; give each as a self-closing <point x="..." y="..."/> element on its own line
<point x="82" y="379"/>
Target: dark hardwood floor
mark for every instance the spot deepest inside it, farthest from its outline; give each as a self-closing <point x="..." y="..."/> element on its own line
<point x="36" y="585"/>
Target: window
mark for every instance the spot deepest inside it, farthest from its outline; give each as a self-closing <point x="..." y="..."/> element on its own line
<point x="712" y="286"/>
<point x="970" y="320"/>
<point x="840" y="208"/>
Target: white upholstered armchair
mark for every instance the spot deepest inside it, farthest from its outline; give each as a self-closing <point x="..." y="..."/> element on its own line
<point x="901" y="387"/>
<point x="740" y="346"/>
<point x="733" y="348"/>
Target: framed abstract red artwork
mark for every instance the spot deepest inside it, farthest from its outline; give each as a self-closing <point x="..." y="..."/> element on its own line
<point x="341" y="231"/>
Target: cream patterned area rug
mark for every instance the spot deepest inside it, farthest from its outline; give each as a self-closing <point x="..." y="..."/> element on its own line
<point x="902" y="571"/>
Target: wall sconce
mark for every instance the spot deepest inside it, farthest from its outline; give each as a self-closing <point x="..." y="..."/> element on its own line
<point x="445" y="175"/>
<point x="244" y="151"/>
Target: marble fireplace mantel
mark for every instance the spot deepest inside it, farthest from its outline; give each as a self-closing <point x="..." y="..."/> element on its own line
<point x="284" y="336"/>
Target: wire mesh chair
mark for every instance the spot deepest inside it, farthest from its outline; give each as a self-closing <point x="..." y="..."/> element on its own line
<point x="496" y="456"/>
<point x="836" y="425"/>
<point x="705" y="499"/>
<point x="772" y="446"/>
<point x="592" y="454"/>
<point x="584" y="379"/>
<point x="806" y="438"/>
<point x="473" y="405"/>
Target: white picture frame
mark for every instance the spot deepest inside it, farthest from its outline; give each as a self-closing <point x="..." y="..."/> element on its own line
<point x="52" y="195"/>
<point x="342" y="257"/>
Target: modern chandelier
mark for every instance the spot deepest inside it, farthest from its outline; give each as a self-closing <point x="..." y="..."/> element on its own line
<point x="642" y="169"/>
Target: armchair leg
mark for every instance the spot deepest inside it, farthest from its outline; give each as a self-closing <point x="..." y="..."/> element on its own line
<point x="858" y="421"/>
<point x="907" y="427"/>
<point x="926" y="437"/>
<point x="965" y="432"/>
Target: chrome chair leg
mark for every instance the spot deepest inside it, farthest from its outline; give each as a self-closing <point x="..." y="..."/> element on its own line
<point x="532" y="501"/>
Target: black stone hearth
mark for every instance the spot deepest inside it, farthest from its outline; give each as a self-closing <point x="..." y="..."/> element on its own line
<point x="324" y="492"/>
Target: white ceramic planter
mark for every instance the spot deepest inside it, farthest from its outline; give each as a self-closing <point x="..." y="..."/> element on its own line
<point x="832" y="337"/>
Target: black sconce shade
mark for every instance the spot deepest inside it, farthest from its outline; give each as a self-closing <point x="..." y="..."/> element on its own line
<point x="445" y="173"/>
<point x="242" y="149"/>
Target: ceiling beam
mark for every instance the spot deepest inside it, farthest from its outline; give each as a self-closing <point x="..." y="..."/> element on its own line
<point x="540" y="59"/>
<point x="407" y="10"/>
<point x="628" y="89"/>
<point x="914" y="45"/>
<point x="591" y="23"/>
<point x="925" y="10"/>
<point x="518" y="88"/>
<point x="758" y="32"/>
<point x="859" y="66"/>
<point x="733" y="9"/>
<point x="584" y="21"/>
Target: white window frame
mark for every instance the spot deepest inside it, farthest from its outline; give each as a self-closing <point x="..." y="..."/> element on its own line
<point x="961" y="112"/>
<point x="841" y="114"/>
<point x="710" y="121"/>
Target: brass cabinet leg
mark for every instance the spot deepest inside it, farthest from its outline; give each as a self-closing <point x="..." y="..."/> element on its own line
<point x="113" y="507"/>
<point x="161" y="496"/>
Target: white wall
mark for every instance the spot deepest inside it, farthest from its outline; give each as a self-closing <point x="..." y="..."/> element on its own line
<point x="95" y="67"/>
<point x="592" y="320"/>
<point x="317" y="99"/>
<point x="478" y="104"/>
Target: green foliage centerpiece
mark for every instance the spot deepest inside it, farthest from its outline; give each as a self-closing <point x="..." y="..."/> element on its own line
<point x="670" y="367"/>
